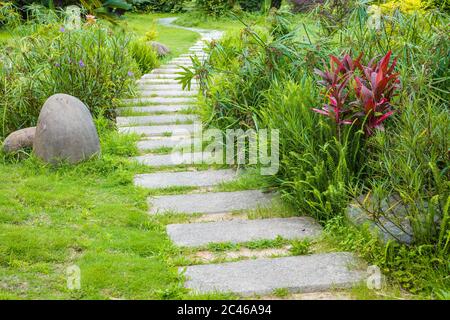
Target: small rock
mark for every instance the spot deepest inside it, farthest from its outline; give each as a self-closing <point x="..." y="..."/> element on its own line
<point x="65" y="131"/>
<point x="19" y="140"/>
<point x="161" y="49"/>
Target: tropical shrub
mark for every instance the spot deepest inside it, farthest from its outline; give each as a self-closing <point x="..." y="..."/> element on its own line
<point x="55" y="60"/>
<point x="8" y="15"/>
<point x="214" y="8"/>
<point x="145" y="56"/>
<point x="260" y="78"/>
<point x="373" y="91"/>
<point x="304" y="5"/>
<point x="251" y="5"/>
<point x="404" y="5"/>
<point x="157" y="5"/>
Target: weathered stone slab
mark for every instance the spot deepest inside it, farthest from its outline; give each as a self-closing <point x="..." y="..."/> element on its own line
<point x="157" y="81"/>
<point x="198" y="52"/>
<point x="167" y="118"/>
<point x="161" y="100"/>
<point x="211" y="202"/>
<point x="167" y="87"/>
<point x="160" y="76"/>
<point x="173" y="66"/>
<point x="156" y="108"/>
<point x="168" y="93"/>
<point x="161" y="130"/>
<point x="166" y="70"/>
<point x="312" y="273"/>
<point x="166" y="142"/>
<point x="182" y="62"/>
<point x="393" y="224"/>
<point x="204" y="178"/>
<point x="238" y="231"/>
<point x="173" y="159"/>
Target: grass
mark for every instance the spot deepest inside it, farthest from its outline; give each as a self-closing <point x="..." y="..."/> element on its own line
<point x="51" y="219"/>
<point x="178" y="40"/>
<point x="4" y="36"/>
<point x="222" y="23"/>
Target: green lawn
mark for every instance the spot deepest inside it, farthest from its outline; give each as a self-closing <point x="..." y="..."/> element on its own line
<point x="91" y="216"/>
<point x="224" y="23"/>
<point x="178" y="40"/>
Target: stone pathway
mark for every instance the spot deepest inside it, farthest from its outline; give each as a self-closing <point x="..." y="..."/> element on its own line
<point x="164" y="120"/>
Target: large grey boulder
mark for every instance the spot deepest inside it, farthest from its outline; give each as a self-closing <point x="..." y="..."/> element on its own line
<point x="19" y="140"/>
<point x="65" y="131"/>
<point x="160" y="48"/>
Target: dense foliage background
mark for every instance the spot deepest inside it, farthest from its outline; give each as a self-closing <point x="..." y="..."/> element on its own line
<point x="362" y="127"/>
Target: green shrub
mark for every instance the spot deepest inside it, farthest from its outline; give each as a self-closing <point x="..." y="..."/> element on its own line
<point x="158" y="5"/>
<point x="265" y="79"/>
<point x="214" y="8"/>
<point x="9" y="16"/>
<point x="251" y="5"/>
<point x="145" y="56"/>
<point x="55" y="60"/>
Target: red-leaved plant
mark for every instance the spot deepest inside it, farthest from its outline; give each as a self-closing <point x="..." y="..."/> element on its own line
<point x="372" y="91"/>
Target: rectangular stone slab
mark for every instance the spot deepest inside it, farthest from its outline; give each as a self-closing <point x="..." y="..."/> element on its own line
<point x="161" y="130"/>
<point x="160" y="76"/>
<point x="238" y="231"/>
<point x="157" y="81"/>
<point x="204" y="178"/>
<point x="161" y="100"/>
<point x="168" y="93"/>
<point x="167" y="70"/>
<point x="211" y="202"/>
<point x="158" y="108"/>
<point x="166" y="142"/>
<point x="311" y="273"/>
<point x="167" y="87"/>
<point x="172" y="66"/>
<point x="172" y="159"/>
<point x="166" y="118"/>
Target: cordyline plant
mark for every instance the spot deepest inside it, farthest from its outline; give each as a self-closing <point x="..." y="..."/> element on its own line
<point x="372" y="90"/>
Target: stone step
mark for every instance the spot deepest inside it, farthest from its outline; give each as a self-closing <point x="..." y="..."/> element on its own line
<point x="166" y="142"/>
<point x="160" y="100"/>
<point x="211" y="202"/>
<point x="160" y="76"/>
<point x="161" y="130"/>
<point x="183" y="62"/>
<point x="167" y="87"/>
<point x="156" y="108"/>
<point x="157" y="81"/>
<point x="238" y="231"/>
<point x="167" y="70"/>
<point x="311" y="273"/>
<point x="167" y="93"/>
<point x="173" y="66"/>
<point x="166" y="118"/>
<point x="206" y="178"/>
<point x="174" y="158"/>
<point x="196" y="54"/>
